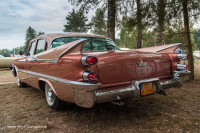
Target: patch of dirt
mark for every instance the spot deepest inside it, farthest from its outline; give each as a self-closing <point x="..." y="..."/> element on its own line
<point x="25" y="110"/>
<point x="6" y="76"/>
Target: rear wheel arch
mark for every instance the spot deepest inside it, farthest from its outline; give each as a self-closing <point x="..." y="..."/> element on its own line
<point x="42" y="83"/>
<point x="53" y="102"/>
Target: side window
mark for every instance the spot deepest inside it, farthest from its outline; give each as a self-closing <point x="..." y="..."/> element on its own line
<point x="40" y="46"/>
<point x="32" y="49"/>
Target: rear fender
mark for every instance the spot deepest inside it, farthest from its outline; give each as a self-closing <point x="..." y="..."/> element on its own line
<point x="48" y="82"/>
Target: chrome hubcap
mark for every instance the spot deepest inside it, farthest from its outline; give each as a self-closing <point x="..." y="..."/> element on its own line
<point x="50" y="95"/>
<point x="18" y="82"/>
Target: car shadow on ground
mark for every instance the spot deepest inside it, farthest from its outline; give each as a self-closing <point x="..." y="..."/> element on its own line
<point x="135" y="110"/>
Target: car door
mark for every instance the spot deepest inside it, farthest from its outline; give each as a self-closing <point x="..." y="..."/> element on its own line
<point x="23" y="64"/>
<point x="43" y="66"/>
<point x="34" y="64"/>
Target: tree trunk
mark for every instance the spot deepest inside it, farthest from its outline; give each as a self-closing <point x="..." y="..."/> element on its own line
<point x="111" y="19"/>
<point x="187" y="37"/>
<point x="139" y="25"/>
<point x="161" y="13"/>
<point x="160" y="38"/>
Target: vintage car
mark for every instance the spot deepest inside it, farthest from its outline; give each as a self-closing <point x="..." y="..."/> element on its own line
<point x="87" y="69"/>
<point x="6" y="62"/>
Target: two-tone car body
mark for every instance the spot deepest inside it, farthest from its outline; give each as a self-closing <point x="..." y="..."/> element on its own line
<point x="6" y="62"/>
<point x="87" y="69"/>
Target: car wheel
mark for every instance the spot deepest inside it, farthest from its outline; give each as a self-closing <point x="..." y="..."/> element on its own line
<point x="20" y="83"/>
<point x="52" y="100"/>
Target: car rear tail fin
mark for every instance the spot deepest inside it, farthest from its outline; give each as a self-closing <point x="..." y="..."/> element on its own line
<point x="71" y="48"/>
<point x="169" y="48"/>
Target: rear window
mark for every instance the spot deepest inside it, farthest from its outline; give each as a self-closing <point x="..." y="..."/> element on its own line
<point x="92" y="44"/>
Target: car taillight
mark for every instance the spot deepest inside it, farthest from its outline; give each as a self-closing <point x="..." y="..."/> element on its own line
<point x="188" y="56"/>
<point x="93" y="76"/>
<point x="90" y="76"/>
<point x="181" y="57"/>
<point x="88" y="60"/>
<point x="187" y="67"/>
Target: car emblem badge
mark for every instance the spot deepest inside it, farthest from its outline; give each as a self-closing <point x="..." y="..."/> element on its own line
<point x="142" y="64"/>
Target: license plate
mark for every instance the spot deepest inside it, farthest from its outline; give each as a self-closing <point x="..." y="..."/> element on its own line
<point x="146" y="89"/>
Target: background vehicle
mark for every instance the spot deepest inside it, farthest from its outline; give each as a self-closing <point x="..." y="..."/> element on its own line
<point x="196" y="54"/>
<point x="6" y="62"/>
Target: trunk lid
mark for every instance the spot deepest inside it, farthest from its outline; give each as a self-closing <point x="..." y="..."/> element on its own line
<point x="123" y="66"/>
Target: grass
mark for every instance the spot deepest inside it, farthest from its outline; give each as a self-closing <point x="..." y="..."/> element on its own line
<point x="3" y="88"/>
<point x="197" y="69"/>
<point x="4" y="70"/>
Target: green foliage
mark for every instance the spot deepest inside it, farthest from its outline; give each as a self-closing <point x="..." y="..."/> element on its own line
<point x="5" y="52"/>
<point x="127" y="35"/>
<point x="17" y="50"/>
<point x="40" y="33"/>
<point x="76" y="22"/>
<point x="197" y="37"/>
<point x="85" y="5"/>
<point x="149" y="38"/>
<point x="30" y="34"/>
<point x="99" y="22"/>
<point x="111" y="6"/>
<point x="172" y="34"/>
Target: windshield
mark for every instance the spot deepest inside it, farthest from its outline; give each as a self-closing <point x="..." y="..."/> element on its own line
<point x="92" y="44"/>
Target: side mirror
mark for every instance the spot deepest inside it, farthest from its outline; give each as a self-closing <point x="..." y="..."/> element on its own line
<point x="21" y="52"/>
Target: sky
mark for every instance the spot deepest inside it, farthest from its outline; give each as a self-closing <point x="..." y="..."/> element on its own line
<point x="47" y="16"/>
<point x="43" y="15"/>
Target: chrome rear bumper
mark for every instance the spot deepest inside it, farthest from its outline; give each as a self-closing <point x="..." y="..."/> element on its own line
<point x="178" y="74"/>
<point x="133" y="90"/>
<point x="87" y="94"/>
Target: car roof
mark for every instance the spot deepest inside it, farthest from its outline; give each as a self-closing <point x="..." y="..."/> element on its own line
<point x="52" y="36"/>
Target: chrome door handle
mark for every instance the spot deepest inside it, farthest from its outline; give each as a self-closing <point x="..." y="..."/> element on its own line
<point x="32" y="59"/>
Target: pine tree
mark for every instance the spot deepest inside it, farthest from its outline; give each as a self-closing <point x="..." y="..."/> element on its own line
<point x="40" y="33"/>
<point x="99" y="22"/>
<point x="111" y="6"/>
<point x="30" y="34"/>
<point x="197" y="38"/>
<point x="76" y="22"/>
